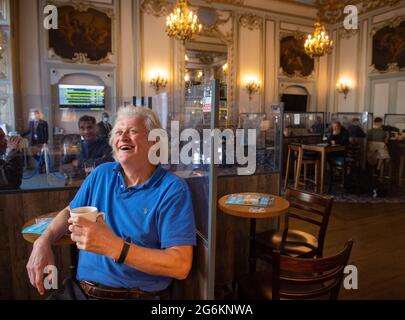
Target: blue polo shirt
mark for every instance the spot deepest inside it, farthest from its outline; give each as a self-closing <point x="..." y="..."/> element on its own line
<point x="158" y="215"/>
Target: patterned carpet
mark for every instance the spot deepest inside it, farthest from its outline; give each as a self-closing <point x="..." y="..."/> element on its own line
<point x="394" y="194"/>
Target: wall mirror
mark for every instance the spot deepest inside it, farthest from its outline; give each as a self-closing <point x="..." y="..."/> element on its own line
<point x="209" y="57"/>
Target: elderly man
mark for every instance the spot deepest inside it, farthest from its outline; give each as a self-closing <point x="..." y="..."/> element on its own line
<point x="147" y="237"/>
<point x="11" y="169"/>
<point x="94" y="150"/>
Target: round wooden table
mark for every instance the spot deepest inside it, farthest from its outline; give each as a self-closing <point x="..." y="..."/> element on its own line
<point x="65" y="240"/>
<point x="31" y="237"/>
<point x="279" y="207"/>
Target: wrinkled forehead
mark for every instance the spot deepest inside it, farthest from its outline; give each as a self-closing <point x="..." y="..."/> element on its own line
<point x="137" y="122"/>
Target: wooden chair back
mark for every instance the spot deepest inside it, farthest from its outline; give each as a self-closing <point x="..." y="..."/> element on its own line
<point x="298" y="278"/>
<point x="311" y="208"/>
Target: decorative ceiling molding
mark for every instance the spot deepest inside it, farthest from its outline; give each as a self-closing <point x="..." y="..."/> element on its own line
<point x="233" y="2"/>
<point x="392" y="23"/>
<point x="331" y="11"/>
<point x="158" y="8"/>
<point x="347" y="34"/>
<point x="251" y="21"/>
<point x="374" y="4"/>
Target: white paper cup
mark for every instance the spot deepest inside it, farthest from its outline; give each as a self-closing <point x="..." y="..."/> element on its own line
<point x="89" y="213"/>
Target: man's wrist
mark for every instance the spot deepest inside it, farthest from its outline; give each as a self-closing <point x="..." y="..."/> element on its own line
<point x="116" y="248"/>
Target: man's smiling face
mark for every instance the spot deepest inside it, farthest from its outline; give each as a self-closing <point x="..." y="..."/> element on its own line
<point x="130" y="142"/>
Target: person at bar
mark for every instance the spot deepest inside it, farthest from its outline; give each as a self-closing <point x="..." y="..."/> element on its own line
<point x="377" y="150"/>
<point x="37" y="129"/>
<point x="355" y="130"/>
<point x="94" y="150"/>
<point x="148" y="234"/>
<point x="11" y="169"/>
<point x="38" y="135"/>
<point x="104" y="126"/>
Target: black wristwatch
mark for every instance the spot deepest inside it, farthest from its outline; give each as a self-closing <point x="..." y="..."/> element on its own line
<point x="124" y="252"/>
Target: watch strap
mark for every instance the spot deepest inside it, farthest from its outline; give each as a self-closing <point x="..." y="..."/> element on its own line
<point x="124" y="252"/>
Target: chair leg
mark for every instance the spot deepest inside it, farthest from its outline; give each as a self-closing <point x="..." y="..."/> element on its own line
<point x="287" y="171"/>
<point x="316" y="175"/>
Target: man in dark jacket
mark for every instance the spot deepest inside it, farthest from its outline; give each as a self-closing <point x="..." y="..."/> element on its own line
<point x="38" y="129"/>
<point x="11" y="169"/>
<point x="94" y="150"/>
<point x="338" y="136"/>
<point x="355" y="130"/>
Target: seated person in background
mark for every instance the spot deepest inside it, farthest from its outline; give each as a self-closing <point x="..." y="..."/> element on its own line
<point x="400" y="136"/>
<point x="355" y="130"/>
<point x="317" y="127"/>
<point x="94" y="150"/>
<point x="377" y="151"/>
<point x="148" y="234"/>
<point x="104" y="127"/>
<point x="339" y="135"/>
<point x="11" y="169"/>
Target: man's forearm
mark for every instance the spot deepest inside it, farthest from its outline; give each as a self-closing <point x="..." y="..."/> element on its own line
<point x="58" y="227"/>
<point x="174" y="262"/>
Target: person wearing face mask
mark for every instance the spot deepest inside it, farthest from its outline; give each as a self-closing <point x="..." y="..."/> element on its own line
<point x="104" y="127"/>
<point x="11" y="169"/>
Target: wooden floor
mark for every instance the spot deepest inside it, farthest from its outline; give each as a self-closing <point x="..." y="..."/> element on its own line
<point x="378" y="231"/>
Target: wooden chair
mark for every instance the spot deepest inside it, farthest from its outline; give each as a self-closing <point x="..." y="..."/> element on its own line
<point x="348" y="165"/>
<point x="294" y="148"/>
<point x="297" y="278"/>
<point x="311" y="208"/>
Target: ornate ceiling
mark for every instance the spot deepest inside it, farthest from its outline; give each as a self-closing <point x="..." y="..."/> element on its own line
<point x="329" y="11"/>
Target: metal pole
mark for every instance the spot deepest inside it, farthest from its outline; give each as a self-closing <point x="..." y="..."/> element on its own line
<point x="212" y="208"/>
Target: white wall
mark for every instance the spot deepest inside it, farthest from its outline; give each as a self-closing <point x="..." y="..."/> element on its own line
<point x="373" y="91"/>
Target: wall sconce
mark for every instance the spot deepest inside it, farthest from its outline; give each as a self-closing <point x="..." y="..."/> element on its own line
<point x="252" y="86"/>
<point x="1" y="52"/>
<point x="158" y="82"/>
<point x="225" y="69"/>
<point x="343" y="86"/>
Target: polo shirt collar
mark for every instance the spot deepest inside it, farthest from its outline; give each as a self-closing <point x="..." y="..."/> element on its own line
<point x="152" y="181"/>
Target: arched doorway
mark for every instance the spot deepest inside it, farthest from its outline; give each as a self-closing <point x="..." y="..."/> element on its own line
<point x="295" y="99"/>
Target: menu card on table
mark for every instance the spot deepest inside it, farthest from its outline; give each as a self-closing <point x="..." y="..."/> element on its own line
<point x="250" y="200"/>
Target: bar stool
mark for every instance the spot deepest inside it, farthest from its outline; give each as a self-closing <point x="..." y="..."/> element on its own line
<point x="306" y="162"/>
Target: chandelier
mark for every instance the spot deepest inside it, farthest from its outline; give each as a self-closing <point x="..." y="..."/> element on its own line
<point x="182" y="23"/>
<point x="319" y="43"/>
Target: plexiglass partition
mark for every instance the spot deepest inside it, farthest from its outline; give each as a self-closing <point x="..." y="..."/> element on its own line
<point x="395" y="120"/>
<point x="303" y="124"/>
<point x="349" y="119"/>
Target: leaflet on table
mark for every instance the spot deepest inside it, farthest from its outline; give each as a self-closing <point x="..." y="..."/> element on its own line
<point x="250" y="200"/>
<point x="39" y="227"/>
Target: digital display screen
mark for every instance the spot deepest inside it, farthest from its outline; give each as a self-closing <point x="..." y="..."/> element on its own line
<point x="81" y="97"/>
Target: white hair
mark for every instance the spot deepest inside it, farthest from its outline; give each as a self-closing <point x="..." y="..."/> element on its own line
<point x="150" y="118"/>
